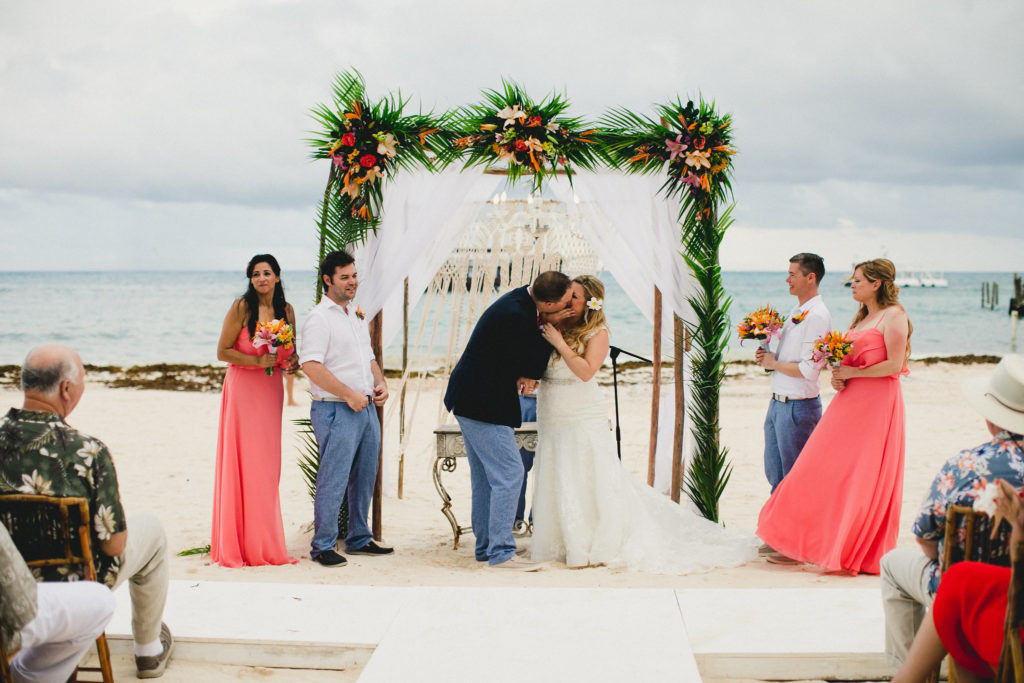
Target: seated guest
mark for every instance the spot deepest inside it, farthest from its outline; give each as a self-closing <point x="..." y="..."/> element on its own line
<point x="41" y="454"/>
<point x="910" y="576"/>
<point x="53" y="624"/>
<point x="969" y="614"/>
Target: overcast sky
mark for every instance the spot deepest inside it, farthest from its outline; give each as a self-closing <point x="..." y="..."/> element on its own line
<point x="169" y="135"/>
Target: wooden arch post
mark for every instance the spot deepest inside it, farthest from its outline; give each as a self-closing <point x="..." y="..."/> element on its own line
<point x="376" y="343"/>
<point x="655" y="388"/>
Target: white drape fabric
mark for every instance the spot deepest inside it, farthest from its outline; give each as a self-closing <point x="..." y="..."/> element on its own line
<point x="633" y="230"/>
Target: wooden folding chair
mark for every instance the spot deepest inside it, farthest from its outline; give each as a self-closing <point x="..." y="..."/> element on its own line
<point x="968" y="538"/>
<point x="5" y="661"/>
<point x="1011" y="661"/>
<point x="54" y="532"/>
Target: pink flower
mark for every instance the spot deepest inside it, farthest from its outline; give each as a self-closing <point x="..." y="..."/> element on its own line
<point x="676" y="147"/>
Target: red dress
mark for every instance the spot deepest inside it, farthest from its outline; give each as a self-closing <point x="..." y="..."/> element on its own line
<point x="247" y="528"/>
<point x="970" y="614"/>
<point x="839" y="507"/>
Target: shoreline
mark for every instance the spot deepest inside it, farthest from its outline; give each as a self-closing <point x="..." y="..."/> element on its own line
<point x="208" y="378"/>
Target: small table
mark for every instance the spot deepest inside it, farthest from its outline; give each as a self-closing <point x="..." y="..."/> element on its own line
<point x="451" y="446"/>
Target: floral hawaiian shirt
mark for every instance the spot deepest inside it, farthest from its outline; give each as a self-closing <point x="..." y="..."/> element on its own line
<point x="962" y="479"/>
<point x="40" y="453"/>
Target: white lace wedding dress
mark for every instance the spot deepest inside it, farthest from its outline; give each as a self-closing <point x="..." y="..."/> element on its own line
<point x="588" y="510"/>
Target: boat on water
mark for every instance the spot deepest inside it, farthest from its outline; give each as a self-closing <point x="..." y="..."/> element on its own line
<point x="918" y="278"/>
<point x="932" y="280"/>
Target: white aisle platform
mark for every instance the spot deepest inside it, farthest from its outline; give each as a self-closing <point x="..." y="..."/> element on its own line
<point x="542" y="634"/>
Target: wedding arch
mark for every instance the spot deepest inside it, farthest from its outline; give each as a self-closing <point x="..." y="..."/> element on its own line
<point x="398" y="185"/>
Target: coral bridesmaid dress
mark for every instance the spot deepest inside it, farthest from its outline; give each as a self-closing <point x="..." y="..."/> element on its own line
<point x="839" y="507"/>
<point x="247" y="529"/>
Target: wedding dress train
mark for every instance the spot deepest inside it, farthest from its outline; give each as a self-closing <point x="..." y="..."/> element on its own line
<point x="588" y="510"/>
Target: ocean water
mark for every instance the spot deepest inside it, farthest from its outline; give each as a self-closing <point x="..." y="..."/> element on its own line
<point x="133" y="318"/>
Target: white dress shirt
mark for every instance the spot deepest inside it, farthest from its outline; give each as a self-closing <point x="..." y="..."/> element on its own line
<point x="796" y="345"/>
<point x="340" y="341"/>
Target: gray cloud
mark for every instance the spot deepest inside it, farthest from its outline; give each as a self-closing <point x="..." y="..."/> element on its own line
<point x="902" y="116"/>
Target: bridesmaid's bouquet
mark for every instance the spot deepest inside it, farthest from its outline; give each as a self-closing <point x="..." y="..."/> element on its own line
<point x="272" y="336"/>
<point x="831" y="349"/>
<point x="762" y="325"/>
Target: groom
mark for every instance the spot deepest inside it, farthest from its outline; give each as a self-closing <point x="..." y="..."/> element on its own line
<point x="505" y="356"/>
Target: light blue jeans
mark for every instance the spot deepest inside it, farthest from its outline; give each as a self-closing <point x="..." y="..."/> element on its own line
<point x="786" y="429"/>
<point x="496" y="475"/>
<point x="349" y="444"/>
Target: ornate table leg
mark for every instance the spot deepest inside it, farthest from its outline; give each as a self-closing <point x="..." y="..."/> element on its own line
<point x="446" y="464"/>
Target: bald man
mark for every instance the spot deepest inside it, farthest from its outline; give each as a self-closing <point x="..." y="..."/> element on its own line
<point x="41" y="454"/>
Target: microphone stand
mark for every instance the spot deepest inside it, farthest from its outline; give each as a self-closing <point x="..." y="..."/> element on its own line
<point x="615" y="351"/>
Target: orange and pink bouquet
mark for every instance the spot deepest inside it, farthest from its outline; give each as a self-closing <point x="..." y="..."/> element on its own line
<point x="762" y="325"/>
<point x="273" y="335"/>
<point x="831" y="349"/>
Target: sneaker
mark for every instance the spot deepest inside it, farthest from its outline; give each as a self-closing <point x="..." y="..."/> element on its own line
<point x="519" y="564"/>
<point x="153" y="667"/>
<point x="329" y="558"/>
<point x="372" y="548"/>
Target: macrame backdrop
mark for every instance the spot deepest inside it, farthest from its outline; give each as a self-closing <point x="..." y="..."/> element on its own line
<point x="443" y="230"/>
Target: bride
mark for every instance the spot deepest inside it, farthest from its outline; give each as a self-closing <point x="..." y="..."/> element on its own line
<point x="588" y="510"/>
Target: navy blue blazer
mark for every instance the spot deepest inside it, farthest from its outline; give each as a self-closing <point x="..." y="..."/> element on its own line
<point x="506" y="344"/>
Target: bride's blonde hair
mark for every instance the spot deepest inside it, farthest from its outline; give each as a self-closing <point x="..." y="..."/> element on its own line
<point x="576" y="336"/>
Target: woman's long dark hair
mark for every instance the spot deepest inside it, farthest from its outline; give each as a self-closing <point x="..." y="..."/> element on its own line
<point x="251" y="299"/>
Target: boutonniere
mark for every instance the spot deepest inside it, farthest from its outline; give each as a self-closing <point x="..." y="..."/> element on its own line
<point x="360" y="314"/>
<point x="799" y="317"/>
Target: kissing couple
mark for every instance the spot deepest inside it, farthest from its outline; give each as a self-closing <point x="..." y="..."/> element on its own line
<point x="587" y="510"/>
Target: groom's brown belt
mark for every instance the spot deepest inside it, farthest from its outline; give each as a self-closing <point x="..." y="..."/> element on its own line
<point x="786" y="399"/>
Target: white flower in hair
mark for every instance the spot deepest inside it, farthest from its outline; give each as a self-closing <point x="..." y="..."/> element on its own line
<point x="595" y="304"/>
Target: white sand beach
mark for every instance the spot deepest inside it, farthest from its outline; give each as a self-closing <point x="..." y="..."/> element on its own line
<point x="164" y="446"/>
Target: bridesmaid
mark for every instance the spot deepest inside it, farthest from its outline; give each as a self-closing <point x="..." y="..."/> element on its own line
<point x="247" y="527"/>
<point x="839" y="507"/>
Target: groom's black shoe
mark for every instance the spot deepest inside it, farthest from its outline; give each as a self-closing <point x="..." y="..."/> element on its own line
<point x="372" y="548"/>
<point x="329" y="558"/>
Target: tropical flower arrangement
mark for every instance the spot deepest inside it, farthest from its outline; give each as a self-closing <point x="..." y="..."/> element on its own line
<point x="273" y="335"/>
<point x="763" y="324"/>
<point x="531" y="137"/>
<point x="360" y="314"/>
<point x="831" y="349"/>
<point x="692" y="143"/>
<point x="366" y="145"/>
<point x="799" y="317"/>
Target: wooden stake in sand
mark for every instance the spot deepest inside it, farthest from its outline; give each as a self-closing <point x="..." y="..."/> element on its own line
<point x="401" y="400"/>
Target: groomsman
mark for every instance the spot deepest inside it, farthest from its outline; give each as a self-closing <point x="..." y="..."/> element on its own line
<point x="795" y="407"/>
<point x="504" y="358"/>
<point x="345" y="380"/>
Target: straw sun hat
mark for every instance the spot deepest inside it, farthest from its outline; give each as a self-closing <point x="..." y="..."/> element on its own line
<point x="1000" y="397"/>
